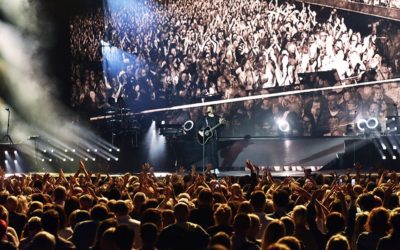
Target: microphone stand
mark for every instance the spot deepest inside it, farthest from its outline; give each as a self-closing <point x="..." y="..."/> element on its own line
<point x="204" y="145"/>
<point x="7" y="138"/>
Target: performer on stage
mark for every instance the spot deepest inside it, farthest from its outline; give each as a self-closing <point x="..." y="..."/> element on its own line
<point x="208" y="135"/>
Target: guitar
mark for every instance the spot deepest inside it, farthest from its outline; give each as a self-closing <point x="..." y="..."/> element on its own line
<point x="204" y="134"/>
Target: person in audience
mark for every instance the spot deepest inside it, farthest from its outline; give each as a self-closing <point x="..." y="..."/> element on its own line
<point x="4" y="243"/>
<point x="301" y="230"/>
<point x="222" y="218"/>
<point x="190" y="235"/>
<point x="203" y="215"/>
<point x="32" y="227"/>
<point x="338" y="242"/>
<point x="149" y="235"/>
<point x="392" y="241"/>
<point x="85" y="231"/>
<point x="50" y="223"/>
<point x="274" y="231"/>
<point x="377" y="228"/>
<point x="241" y="227"/>
<point x="121" y="211"/>
<point x="43" y="241"/>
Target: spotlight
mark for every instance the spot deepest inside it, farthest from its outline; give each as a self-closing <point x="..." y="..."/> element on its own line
<point x="64" y="159"/>
<point x="15" y="152"/>
<point x="5" y="161"/>
<point x="73" y="150"/>
<point x="5" y="152"/>
<point x="118" y="149"/>
<point x="52" y="151"/>
<point x="383" y="157"/>
<point x="394" y="147"/>
<point x="42" y="159"/>
<point x="66" y="150"/>
<point x="109" y="150"/>
<point x="95" y="150"/>
<point x="50" y="160"/>
<point x="108" y="159"/>
<point x="116" y="159"/>
<point x="15" y="161"/>
<point x="86" y="159"/>
<point x="72" y="159"/>
<point x="361" y="124"/>
<point x="162" y="122"/>
<point x="44" y="150"/>
<point x="283" y="125"/>
<point x="383" y="146"/>
<point x="93" y="159"/>
<point x="88" y="150"/>
<point x="394" y="157"/>
<point x="372" y="123"/>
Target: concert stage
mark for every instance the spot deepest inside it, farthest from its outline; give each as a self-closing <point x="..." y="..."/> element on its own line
<point x="284" y="156"/>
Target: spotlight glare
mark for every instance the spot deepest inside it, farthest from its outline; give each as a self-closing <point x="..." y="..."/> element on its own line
<point x="42" y="159"/>
<point x="94" y="159"/>
<point x="86" y="159"/>
<point x="66" y="150"/>
<point x="95" y="150"/>
<point x="394" y="157"/>
<point x="116" y="159"/>
<point x="72" y="159"/>
<point x="383" y="157"/>
<point x="372" y="123"/>
<point x="361" y="124"/>
<point x="44" y="150"/>
<point x="52" y="150"/>
<point x="283" y="125"/>
<point x="64" y="159"/>
<point x="394" y="147"/>
<point x="109" y="150"/>
<point x="88" y="150"/>
<point x="50" y="160"/>
<point x="73" y="150"/>
<point x="15" y="152"/>
<point x="5" y="161"/>
<point x="108" y="159"/>
<point x="5" y="152"/>
<point x="118" y="150"/>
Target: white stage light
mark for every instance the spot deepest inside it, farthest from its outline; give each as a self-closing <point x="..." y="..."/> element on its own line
<point x="283" y="125"/>
<point x="361" y="124"/>
<point x="372" y="123"/>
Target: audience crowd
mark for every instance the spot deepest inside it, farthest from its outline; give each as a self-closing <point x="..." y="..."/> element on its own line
<point x="148" y="54"/>
<point x="381" y="3"/>
<point x="190" y="210"/>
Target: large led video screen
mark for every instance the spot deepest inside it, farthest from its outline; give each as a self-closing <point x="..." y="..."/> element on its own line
<point x="144" y="54"/>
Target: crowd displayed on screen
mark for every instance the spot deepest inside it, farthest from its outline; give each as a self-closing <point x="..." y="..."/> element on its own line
<point x="147" y="54"/>
<point x="381" y="3"/>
